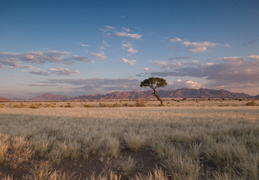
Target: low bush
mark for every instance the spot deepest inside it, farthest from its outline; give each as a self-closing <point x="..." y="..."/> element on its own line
<point x="252" y="103"/>
<point x="140" y="102"/>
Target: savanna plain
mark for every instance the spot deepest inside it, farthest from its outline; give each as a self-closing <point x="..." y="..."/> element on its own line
<point x="113" y="140"/>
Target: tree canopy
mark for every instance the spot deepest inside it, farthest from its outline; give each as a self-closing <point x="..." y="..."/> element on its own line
<point x="154" y="83"/>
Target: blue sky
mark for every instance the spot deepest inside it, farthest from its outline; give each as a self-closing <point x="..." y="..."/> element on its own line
<point x="97" y="46"/>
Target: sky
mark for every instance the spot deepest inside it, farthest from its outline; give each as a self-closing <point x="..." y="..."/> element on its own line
<point x="84" y="47"/>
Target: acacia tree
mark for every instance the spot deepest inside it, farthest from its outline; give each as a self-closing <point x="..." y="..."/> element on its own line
<point x="154" y="83"/>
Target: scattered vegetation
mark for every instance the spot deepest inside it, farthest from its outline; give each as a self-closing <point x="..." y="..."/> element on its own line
<point x="119" y="143"/>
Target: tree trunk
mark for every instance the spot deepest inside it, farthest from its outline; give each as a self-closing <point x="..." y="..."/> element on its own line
<point x="158" y="98"/>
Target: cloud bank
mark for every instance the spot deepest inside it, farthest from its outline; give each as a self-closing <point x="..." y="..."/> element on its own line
<point x="111" y="31"/>
<point x="226" y="72"/>
<point x="14" y="60"/>
<point x="131" y="62"/>
<point x="196" y="47"/>
<point x="93" y="85"/>
<point x="56" y="71"/>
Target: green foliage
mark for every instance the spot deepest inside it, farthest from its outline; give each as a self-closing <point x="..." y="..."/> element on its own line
<point x="153" y="82"/>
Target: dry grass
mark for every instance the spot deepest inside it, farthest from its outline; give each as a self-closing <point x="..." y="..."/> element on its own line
<point x="208" y="142"/>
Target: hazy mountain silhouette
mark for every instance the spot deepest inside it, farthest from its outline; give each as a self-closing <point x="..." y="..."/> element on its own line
<point x="178" y="93"/>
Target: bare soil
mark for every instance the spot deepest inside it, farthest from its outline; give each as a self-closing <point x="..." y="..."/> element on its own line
<point x="83" y="168"/>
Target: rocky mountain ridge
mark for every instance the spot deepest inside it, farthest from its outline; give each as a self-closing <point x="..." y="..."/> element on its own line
<point x="178" y="93"/>
<point x="49" y="97"/>
<point x="2" y="99"/>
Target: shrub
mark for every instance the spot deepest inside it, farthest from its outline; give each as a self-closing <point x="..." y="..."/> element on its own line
<point x="68" y="105"/>
<point x="252" y="103"/>
<point x="140" y="102"/>
<point x="88" y="105"/>
<point x="21" y="105"/>
<point x="34" y="106"/>
<point x="102" y="105"/>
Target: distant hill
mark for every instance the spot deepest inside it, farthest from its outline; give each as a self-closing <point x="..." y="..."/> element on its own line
<point x="50" y="97"/>
<point x="118" y="95"/>
<point x="256" y="97"/>
<point x="2" y="99"/>
<point x="202" y="93"/>
<point x="179" y="93"/>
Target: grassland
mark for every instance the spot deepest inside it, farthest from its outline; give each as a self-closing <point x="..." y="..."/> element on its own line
<point x="117" y="140"/>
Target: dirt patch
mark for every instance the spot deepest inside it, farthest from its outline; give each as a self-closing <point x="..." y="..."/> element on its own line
<point x="16" y="173"/>
<point x="145" y="161"/>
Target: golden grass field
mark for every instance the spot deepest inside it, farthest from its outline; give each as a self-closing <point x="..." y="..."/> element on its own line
<point x="193" y="139"/>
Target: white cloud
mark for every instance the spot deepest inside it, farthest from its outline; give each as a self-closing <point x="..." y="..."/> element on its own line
<point x="126" y="45"/>
<point x="84" y="45"/>
<point x="227" y="45"/>
<point x="131" y="62"/>
<point x="28" y="67"/>
<point x="126" y="29"/>
<point x="193" y="84"/>
<point x="176" y="39"/>
<point x="232" y="58"/>
<point x="199" y="46"/>
<point x="100" y="56"/>
<point x="147" y="69"/>
<point x="129" y="46"/>
<point x="81" y="58"/>
<point x="172" y="65"/>
<point x="125" y="34"/>
<point x="105" y="43"/>
<point x="210" y="64"/>
<point x="42" y="73"/>
<point x="109" y="27"/>
<point x="65" y="72"/>
<point x="163" y="64"/>
<point x="58" y="57"/>
<point x="131" y="50"/>
<point x="56" y="71"/>
<point x="184" y="84"/>
<point x="110" y="31"/>
<point x="254" y="57"/>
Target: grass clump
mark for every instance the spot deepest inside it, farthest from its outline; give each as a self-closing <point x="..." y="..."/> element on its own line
<point x="134" y="141"/>
<point x="157" y="174"/>
<point x="126" y="166"/>
<point x="3" y="149"/>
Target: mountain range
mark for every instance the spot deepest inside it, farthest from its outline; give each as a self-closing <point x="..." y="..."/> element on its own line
<point x="2" y="99"/>
<point x="179" y="93"/>
<point x="50" y="97"/>
<point x="132" y="95"/>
